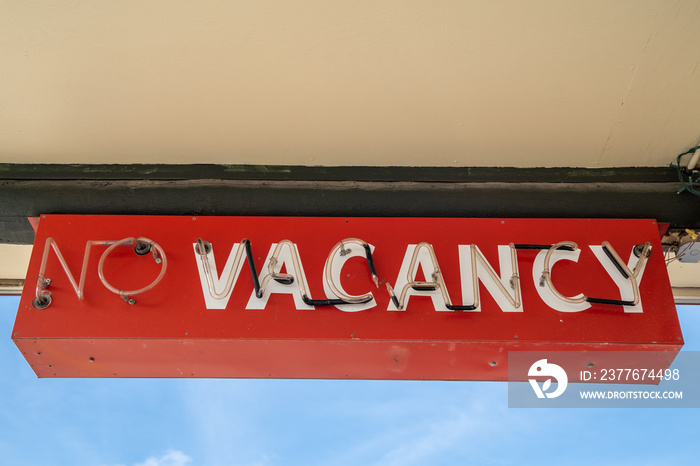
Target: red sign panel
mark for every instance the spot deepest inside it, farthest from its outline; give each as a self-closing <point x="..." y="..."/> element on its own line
<point x="299" y="297"/>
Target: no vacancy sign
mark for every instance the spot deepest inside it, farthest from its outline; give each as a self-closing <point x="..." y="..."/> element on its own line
<point x="322" y="297"/>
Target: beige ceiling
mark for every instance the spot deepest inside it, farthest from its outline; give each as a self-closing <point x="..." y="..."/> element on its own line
<point x="380" y="82"/>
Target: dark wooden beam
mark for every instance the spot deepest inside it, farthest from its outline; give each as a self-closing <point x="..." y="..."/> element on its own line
<point x="32" y="190"/>
<point x="302" y="173"/>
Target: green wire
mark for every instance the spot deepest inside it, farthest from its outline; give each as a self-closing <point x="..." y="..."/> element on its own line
<point x="687" y="186"/>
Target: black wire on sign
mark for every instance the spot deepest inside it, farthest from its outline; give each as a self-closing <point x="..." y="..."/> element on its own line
<point x="684" y="172"/>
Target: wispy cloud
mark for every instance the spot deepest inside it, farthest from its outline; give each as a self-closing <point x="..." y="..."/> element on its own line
<point x="171" y="458"/>
<point x="424" y="425"/>
<point x="433" y="438"/>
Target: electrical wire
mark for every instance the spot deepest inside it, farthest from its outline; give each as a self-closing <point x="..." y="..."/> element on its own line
<point x="666" y="259"/>
<point x="678" y="256"/>
<point x="682" y="173"/>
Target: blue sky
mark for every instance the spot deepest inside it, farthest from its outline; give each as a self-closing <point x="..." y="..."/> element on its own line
<point x="154" y="422"/>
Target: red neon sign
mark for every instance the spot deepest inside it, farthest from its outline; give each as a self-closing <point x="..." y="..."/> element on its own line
<point x="404" y="298"/>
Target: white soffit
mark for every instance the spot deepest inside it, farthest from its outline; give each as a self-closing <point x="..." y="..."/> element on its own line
<point x="380" y="82"/>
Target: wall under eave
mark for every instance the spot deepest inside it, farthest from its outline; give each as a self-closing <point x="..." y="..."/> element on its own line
<point x="381" y="82"/>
